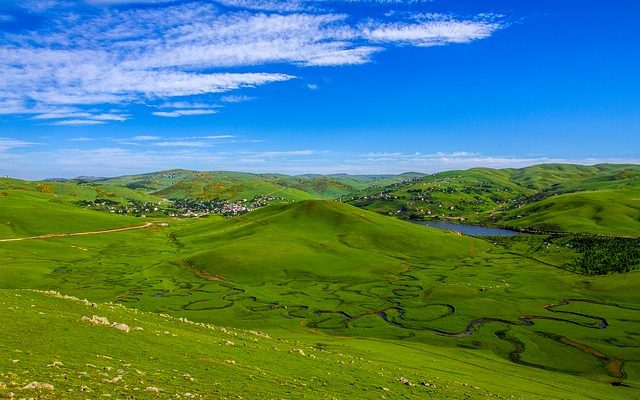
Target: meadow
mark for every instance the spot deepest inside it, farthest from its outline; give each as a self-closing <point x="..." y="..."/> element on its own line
<point x="355" y="305"/>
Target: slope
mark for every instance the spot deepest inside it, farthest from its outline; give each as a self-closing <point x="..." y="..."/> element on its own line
<point x="162" y="357"/>
<point x="29" y="209"/>
<point x="490" y="196"/>
<point x="606" y="211"/>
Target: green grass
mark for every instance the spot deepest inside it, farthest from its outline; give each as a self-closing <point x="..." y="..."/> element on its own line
<point x="82" y="360"/>
<point x="606" y="211"/>
<point x="26" y="212"/>
<point x="322" y="272"/>
<point x="234" y="186"/>
<point x="372" y="298"/>
<point x="599" y="199"/>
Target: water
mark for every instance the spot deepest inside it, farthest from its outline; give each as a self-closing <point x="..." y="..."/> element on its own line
<point x="471" y="230"/>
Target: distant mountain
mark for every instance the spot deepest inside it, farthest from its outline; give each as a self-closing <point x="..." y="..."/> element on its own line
<point x="180" y="184"/>
<point x="549" y="197"/>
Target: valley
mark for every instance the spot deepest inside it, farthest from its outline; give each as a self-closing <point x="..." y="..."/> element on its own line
<point x="358" y="290"/>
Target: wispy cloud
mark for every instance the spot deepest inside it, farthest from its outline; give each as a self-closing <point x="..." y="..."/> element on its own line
<point x="77" y="122"/>
<point x="236" y="98"/>
<point x="182" y="113"/>
<point x="185" y="141"/>
<point x="144" y="138"/>
<point x="439" y="31"/>
<point x="124" y="55"/>
<point x="8" y="144"/>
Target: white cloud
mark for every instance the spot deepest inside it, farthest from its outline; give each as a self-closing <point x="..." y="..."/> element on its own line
<point x="8" y="144"/>
<point x="312" y="86"/>
<point x="431" y="33"/>
<point x="236" y="98"/>
<point x="182" y="113"/>
<point x="143" y="138"/>
<point x="77" y="122"/>
<point x="125" y="55"/>
<point x="183" y="143"/>
<point x="266" y="5"/>
<point x="186" y="104"/>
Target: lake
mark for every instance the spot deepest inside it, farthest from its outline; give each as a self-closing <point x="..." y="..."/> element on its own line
<point x="471" y="230"/>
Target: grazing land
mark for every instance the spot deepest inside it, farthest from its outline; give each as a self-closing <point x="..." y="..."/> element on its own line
<point x="318" y="299"/>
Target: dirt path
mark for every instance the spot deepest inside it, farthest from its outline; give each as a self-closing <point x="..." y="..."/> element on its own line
<point x="57" y="235"/>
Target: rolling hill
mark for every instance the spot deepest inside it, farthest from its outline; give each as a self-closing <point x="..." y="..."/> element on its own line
<point x="592" y="199"/>
<point x="179" y="184"/>
<point x="314" y="275"/>
<point x="33" y="208"/>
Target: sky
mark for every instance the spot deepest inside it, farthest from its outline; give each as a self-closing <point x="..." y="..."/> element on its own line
<point x="113" y="87"/>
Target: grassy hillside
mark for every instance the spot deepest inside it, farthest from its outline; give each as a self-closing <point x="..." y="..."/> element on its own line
<point x="325" y="272"/>
<point x="333" y="239"/>
<point x="29" y="209"/>
<point x="606" y="211"/>
<point x="238" y="185"/>
<point x="595" y="199"/>
<point x="162" y="357"/>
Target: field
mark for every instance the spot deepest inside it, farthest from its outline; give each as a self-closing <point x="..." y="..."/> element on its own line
<point x="378" y="307"/>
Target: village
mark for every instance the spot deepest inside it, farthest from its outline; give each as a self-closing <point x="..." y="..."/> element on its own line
<point x="180" y="208"/>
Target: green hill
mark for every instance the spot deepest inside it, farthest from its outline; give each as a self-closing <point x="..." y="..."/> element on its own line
<point x="30" y="208"/>
<point x="490" y="196"/>
<point x="606" y="211"/>
<point x="419" y="303"/>
<point x="233" y="186"/>
<point x="332" y="239"/>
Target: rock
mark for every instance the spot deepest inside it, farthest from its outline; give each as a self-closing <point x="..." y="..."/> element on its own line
<point x="85" y="389"/>
<point x="121" y="327"/>
<point x="428" y="384"/>
<point x="297" y="351"/>
<point x="261" y="334"/>
<point x="152" y="389"/>
<point x="9" y="395"/>
<point x="38" y="386"/>
<point x="55" y="364"/>
<point x="96" y="320"/>
<point x="114" y="379"/>
<point x="231" y="362"/>
<point x="229" y="343"/>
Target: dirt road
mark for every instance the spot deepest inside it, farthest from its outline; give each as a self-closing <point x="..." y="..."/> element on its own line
<point x="57" y="235"/>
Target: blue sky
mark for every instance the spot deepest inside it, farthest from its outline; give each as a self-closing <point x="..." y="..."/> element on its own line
<point x="110" y="87"/>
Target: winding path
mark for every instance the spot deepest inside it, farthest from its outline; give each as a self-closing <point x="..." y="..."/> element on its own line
<point x="58" y="235"/>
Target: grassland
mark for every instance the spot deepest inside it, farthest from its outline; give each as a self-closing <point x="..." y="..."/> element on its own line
<point x="371" y="301"/>
<point x="605" y="211"/>
<point x="30" y="209"/>
<point x="328" y="274"/>
<point x="163" y="357"/>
